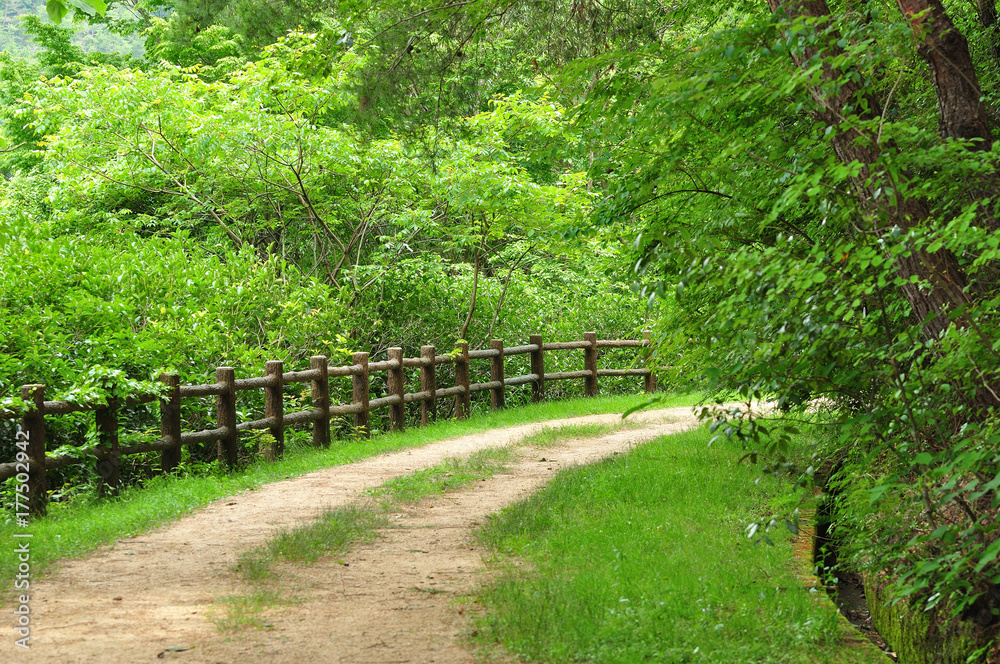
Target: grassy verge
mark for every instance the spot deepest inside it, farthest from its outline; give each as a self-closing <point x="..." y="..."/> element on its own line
<point x="79" y="528"/>
<point x="450" y="475"/>
<point x="643" y="558"/>
<point x="549" y="436"/>
<point x="339" y="529"/>
<point x="333" y="534"/>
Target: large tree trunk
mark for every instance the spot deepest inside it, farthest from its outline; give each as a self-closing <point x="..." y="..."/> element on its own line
<point x="959" y="117"/>
<point x="987" y="12"/>
<point x="849" y="143"/>
<point x="941" y="268"/>
<point x="945" y="49"/>
<point x="961" y="113"/>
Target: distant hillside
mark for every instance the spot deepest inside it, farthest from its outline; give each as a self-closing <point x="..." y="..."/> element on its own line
<point x="90" y="38"/>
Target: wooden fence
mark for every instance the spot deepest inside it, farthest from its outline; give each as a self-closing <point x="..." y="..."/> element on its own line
<point x="33" y="461"/>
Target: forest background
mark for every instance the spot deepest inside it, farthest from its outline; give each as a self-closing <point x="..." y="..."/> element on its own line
<point x="799" y="196"/>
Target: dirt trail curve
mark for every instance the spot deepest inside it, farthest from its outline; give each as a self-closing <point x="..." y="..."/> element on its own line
<point x="147" y="596"/>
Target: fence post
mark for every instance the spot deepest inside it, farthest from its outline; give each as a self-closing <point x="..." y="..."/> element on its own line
<point x="228" y="446"/>
<point x="106" y="421"/>
<point x="590" y="364"/>
<point x="170" y="422"/>
<point x="649" y="380"/>
<point x="33" y="431"/>
<point x="496" y="374"/>
<point x="463" y="401"/>
<point x="396" y="384"/>
<point x="274" y="407"/>
<point x="537" y="367"/>
<point x="428" y="383"/>
<point x="321" y="401"/>
<point x="359" y="394"/>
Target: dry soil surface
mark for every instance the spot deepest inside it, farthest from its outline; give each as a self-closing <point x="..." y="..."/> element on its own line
<point x="152" y="597"/>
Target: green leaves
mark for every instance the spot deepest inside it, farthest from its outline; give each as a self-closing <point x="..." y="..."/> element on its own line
<point x="57" y="9"/>
<point x="787" y="261"/>
<point x="107" y="314"/>
<point x="989" y="556"/>
<point x="99" y="385"/>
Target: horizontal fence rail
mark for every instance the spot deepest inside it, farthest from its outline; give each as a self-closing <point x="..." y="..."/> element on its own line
<point x="32" y="462"/>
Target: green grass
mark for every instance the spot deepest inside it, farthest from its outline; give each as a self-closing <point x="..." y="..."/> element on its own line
<point x="643" y="557"/>
<point x="549" y="436"/>
<point x="78" y="528"/>
<point x="246" y="610"/>
<point x="449" y="475"/>
<point x="334" y="533"/>
<point x="339" y="529"/>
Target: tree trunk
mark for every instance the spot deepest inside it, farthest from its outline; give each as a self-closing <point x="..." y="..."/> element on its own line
<point x="464" y="329"/>
<point x="849" y="143"/>
<point x="961" y="113"/>
<point x="941" y="268"/>
<point x="946" y="51"/>
<point x="987" y="12"/>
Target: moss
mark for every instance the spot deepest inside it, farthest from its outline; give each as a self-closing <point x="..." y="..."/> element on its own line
<point x="804" y="554"/>
<point x="918" y="637"/>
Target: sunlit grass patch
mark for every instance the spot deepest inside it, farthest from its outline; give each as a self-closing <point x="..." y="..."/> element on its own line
<point x="335" y="532"/>
<point x="549" y="436"/>
<point x="245" y="610"/>
<point x="643" y="557"/>
<point x="449" y="475"/>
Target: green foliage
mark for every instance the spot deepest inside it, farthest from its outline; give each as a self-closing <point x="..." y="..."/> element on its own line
<point x="214" y="49"/>
<point x="57" y="55"/>
<point x="57" y="9"/>
<point x="109" y="33"/>
<point x="145" y="306"/>
<point x="795" y="274"/>
<point x="640" y="558"/>
<point x="190" y="26"/>
<point x="258" y="157"/>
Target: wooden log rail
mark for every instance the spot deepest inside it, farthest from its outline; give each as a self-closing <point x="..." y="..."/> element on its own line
<point x="225" y="435"/>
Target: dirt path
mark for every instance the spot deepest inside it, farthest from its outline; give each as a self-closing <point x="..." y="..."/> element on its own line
<point x="391" y="602"/>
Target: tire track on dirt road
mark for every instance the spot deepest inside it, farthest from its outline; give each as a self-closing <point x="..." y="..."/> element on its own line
<point x="146" y="596"/>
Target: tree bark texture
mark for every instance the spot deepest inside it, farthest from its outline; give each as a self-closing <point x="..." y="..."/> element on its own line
<point x="961" y="113"/>
<point x="987" y="13"/>
<point x="850" y="98"/>
<point x="946" y="51"/>
<point x="850" y="144"/>
<point x="961" y="116"/>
